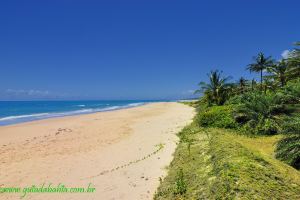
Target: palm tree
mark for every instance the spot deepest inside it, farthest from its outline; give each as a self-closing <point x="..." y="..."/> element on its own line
<point x="294" y="62"/>
<point x="279" y="71"/>
<point x="260" y="64"/>
<point x="297" y="51"/>
<point x="242" y="83"/>
<point x="215" y="90"/>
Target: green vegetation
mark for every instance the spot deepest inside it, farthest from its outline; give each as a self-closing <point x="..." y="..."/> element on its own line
<point x="260" y="64"/>
<point x="217" y="116"/>
<point x="244" y="142"/>
<point x="288" y="149"/>
<point x="260" y="114"/>
<point x="222" y="164"/>
<point x="192" y="103"/>
<point x="258" y="108"/>
<point x="216" y="90"/>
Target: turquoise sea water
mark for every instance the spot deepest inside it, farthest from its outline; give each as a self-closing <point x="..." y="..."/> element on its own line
<point x="12" y="112"/>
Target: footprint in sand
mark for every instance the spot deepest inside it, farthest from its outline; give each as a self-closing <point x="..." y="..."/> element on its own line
<point x="61" y="130"/>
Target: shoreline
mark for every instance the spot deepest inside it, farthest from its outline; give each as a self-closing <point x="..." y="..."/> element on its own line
<point x="74" y="115"/>
<point x="38" y="116"/>
<point x="123" y="153"/>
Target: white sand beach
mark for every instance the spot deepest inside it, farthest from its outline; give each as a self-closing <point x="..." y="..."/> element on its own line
<point x="121" y="153"/>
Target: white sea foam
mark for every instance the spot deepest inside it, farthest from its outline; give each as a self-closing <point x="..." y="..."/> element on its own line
<point x="31" y="117"/>
<point x="136" y="104"/>
<point x="23" y="116"/>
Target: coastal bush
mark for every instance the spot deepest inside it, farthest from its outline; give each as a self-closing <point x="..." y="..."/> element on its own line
<point x="288" y="149"/>
<point x="259" y="113"/>
<point x="291" y="92"/>
<point x="237" y="99"/>
<point x="217" y="116"/>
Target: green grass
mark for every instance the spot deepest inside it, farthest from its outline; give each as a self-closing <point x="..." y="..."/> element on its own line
<point x="194" y="163"/>
<point x="213" y="163"/>
<point x="192" y="103"/>
<point x="244" y="172"/>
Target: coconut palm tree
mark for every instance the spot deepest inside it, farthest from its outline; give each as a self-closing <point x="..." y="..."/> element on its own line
<point x="279" y="72"/>
<point x="216" y="90"/>
<point x="261" y="62"/>
<point x="294" y="62"/>
<point x="297" y="51"/>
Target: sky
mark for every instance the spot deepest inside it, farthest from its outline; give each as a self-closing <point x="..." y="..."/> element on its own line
<point x="143" y="49"/>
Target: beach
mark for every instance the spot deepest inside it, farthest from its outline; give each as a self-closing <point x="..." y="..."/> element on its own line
<point x="123" y="154"/>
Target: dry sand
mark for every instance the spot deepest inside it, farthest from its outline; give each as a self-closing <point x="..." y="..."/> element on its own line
<point x="78" y="150"/>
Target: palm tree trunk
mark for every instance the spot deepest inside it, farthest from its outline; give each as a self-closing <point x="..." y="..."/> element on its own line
<point x="282" y="80"/>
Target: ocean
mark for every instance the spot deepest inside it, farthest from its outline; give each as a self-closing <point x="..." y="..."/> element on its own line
<point x="13" y="112"/>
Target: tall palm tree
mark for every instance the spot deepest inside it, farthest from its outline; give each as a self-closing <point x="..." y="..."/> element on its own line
<point x="297" y="51"/>
<point x="279" y="71"/>
<point x="261" y="62"/>
<point x="215" y="90"/>
<point x="294" y="62"/>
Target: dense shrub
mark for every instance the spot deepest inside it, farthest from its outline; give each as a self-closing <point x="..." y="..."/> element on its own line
<point x="291" y="125"/>
<point x="288" y="149"/>
<point x="291" y="92"/>
<point x="259" y="113"/>
<point x="237" y="99"/>
<point x="217" y="116"/>
<point x="261" y="127"/>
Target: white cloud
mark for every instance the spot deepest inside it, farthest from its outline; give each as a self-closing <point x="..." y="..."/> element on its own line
<point x="32" y="92"/>
<point x="285" y="54"/>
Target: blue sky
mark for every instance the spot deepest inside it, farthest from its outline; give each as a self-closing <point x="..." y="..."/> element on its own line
<point x="145" y="49"/>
